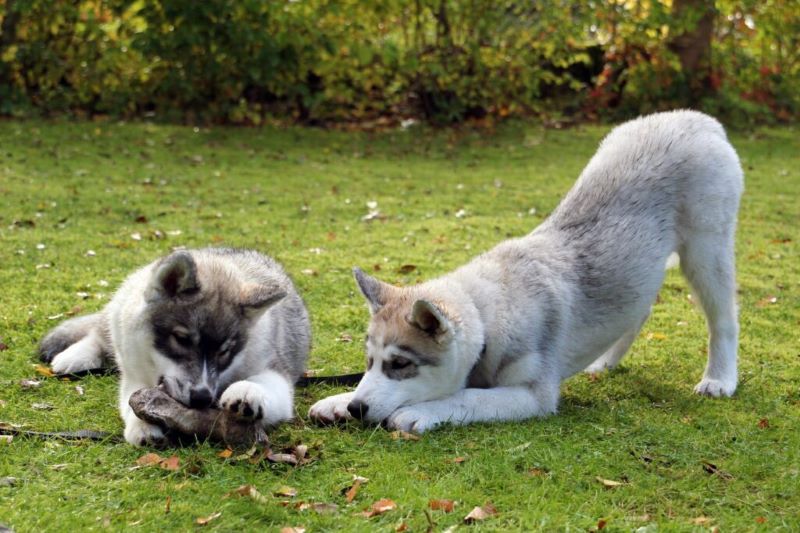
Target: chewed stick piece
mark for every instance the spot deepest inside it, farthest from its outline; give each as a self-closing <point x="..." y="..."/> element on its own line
<point x="157" y="407"/>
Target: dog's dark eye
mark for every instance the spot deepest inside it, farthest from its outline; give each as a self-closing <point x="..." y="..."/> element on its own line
<point x="182" y="338"/>
<point x="400" y="362"/>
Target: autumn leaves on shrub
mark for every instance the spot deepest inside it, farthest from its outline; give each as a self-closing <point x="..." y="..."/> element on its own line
<point x="441" y="60"/>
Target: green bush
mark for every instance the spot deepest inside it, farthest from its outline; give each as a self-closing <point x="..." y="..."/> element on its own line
<point x="444" y="60"/>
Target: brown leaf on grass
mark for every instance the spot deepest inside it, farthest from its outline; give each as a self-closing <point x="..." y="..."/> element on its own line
<point x="287" y="491"/>
<point x="352" y="491"/>
<point x="226" y="453"/>
<point x="402" y="435"/>
<point x="459" y="460"/>
<point x="442" y="505"/>
<point x="402" y="527"/>
<point x="43" y="406"/>
<point x="767" y="300"/>
<point x="701" y="521"/>
<point x="168" y="504"/>
<point x="379" y="507"/>
<point x="763" y="423"/>
<point x="205" y="520"/>
<point x="537" y="472"/>
<point x="323" y="508"/>
<point x="406" y="269"/>
<point x="44" y="371"/>
<point x="480" y="513"/>
<point x="609" y="483"/>
<point x="376" y="267"/>
<point x="148" y="459"/>
<point x="287" y="458"/>
<point x="345" y="337"/>
<point x="712" y="469"/>
<point x="293" y="529"/>
<point x="247" y="491"/>
<point x="3" y="346"/>
<point x="601" y="524"/>
<point x="760" y="520"/>
<point x="171" y="463"/>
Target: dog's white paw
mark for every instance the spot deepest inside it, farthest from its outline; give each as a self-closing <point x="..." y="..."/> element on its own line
<point x="75" y="359"/>
<point x="140" y="433"/>
<point x="715" y="387"/>
<point x="249" y="401"/>
<point x="413" y="419"/>
<point x="331" y="409"/>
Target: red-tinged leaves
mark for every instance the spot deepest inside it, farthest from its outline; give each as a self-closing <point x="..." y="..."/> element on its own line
<point x="480" y="513"/>
<point x="166" y="463"/>
<point x="381" y="506"/>
<point x="760" y="520"/>
<point x="205" y="520"/>
<point x="148" y="459"/>
<point x="601" y="524"/>
<point x="442" y="505"/>
<point x="171" y="463"/>
<point x="763" y="423"/>
<point x="401" y="528"/>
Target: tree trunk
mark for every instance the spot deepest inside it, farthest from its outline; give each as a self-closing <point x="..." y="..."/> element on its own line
<point x="693" y="44"/>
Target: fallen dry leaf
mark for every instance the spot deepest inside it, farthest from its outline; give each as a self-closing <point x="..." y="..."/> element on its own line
<point x="712" y="469"/>
<point x="44" y="371"/>
<point x="402" y="435"/>
<point x="656" y="336"/>
<point x="480" y="513"/>
<point x="701" y="521"/>
<point x="3" y="346"/>
<point x="247" y="491"/>
<point x="406" y="269"/>
<point x="442" y="505"/>
<point x="43" y="406"/>
<point x="601" y="524"/>
<point x="324" y="508"/>
<point x="288" y="458"/>
<point x="768" y="300"/>
<point x="609" y="483"/>
<point x="204" y="521"/>
<point x="300" y="451"/>
<point x="287" y="491"/>
<point x="760" y="520"/>
<point x="226" y="453"/>
<point x="459" y="460"/>
<point x="537" y="472"/>
<point x="379" y="507"/>
<point x="351" y="492"/>
<point x="295" y="529"/>
<point x="148" y="459"/>
<point x="30" y="383"/>
<point x="170" y="463"/>
<point x="763" y="423"/>
<point x="402" y="527"/>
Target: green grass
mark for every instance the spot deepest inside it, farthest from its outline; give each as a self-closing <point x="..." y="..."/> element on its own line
<point x="300" y="196"/>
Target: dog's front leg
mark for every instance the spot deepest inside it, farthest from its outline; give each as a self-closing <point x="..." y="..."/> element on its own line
<point x="477" y="405"/>
<point x="267" y="397"/>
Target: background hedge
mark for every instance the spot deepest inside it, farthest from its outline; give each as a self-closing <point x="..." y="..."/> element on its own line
<point x="319" y="61"/>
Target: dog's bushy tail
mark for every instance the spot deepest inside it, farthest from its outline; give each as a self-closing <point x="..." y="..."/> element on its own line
<point x="66" y="334"/>
<point x="673" y="261"/>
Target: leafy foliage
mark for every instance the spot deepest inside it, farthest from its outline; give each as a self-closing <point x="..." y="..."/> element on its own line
<point x="444" y="60"/>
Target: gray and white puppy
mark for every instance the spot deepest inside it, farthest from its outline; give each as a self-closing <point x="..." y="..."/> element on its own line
<point x="214" y="325"/>
<point x="494" y="339"/>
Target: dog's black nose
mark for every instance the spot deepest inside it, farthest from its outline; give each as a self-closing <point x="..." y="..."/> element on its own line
<point x="200" y="398"/>
<point x="358" y="409"/>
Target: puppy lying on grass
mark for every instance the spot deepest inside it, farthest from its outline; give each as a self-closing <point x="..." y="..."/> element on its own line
<point x="494" y="339"/>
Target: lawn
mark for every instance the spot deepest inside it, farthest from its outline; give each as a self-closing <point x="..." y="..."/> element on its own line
<point x="84" y="204"/>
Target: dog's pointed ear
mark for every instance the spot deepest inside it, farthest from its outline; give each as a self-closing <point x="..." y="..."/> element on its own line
<point x="375" y="291"/>
<point x="257" y="298"/>
<point x="174" y="276"/>
<point x="431" y="319"/>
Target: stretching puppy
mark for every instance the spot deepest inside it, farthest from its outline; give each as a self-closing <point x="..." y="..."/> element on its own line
<point x="212" y="326"/>
<point x="494" y="339"/>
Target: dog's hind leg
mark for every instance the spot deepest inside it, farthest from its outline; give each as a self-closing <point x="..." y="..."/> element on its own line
<point x="612" y="356"/>
<point x="707" y="261"/>
<point x="77" y="345"/>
